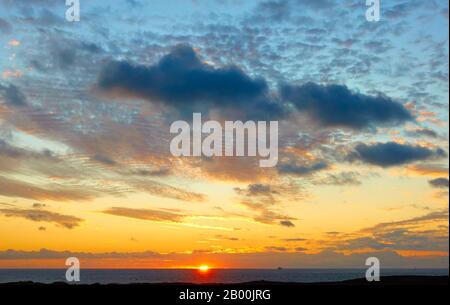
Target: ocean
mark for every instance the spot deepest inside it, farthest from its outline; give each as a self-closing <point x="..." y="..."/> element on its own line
<point x="223" y="276"/>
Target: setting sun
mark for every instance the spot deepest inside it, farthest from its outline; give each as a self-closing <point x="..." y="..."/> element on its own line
<point x="203" y="268"/>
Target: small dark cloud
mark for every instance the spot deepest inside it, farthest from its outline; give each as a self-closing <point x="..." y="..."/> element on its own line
<point x="38" y="16"/>
<point x="103" y="160"/>
<point x="300" y="249"/>
<point x="283" y="10"/>
<point x="262" y="198"/>
<point x="429" y="169"/>
<point x="91" y="47"/>
<point x="67" y="53"/>
<point x="226" y="238"/>
<point x="13" y="96"/>
<point x="9" y="151"/>
<point x="423" y="132"/>
<point x="39" y="66"/>
<point x="333" y="233"/>
<point x="441" y="183"/>
<point x="276" y="249"/>
<point x="5" y="27"/>
<point x="48" y="18"/>
<point x="39" y="205"/>
<point x="316" y="4"/>
<point x="394" y="154"/>
<point x="337" y="106"/>
<point x="294" y="239"/>
<point x="265" y="215"/>
<point x="291" y="168"/>
<point x="42" y="228"/>
<point x="259" y="188"/>
<point x="134" y="3"/>
<point x="365" y="243"/>
<point x="159" y="172"/>
<point x="344" y="178"/>
<point x="444" y="13"/>
<point x="182" y="81"/>
<point x="64" y="57"/>
<point x="65" y="221"/>
<point x="277" y="11"/>
<point x="287" y="223"/>
<point x="146" y="214"/>
<point x="398" y="10"/>
<point x="256" y="189"/>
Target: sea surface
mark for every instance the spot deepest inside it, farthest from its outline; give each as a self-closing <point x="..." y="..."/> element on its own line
<point x="90" y="276"/>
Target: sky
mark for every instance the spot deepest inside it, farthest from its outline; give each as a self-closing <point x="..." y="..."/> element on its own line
<point x="86" y="109"/>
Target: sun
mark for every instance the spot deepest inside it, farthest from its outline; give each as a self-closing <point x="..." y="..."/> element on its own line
<point x="203" y="268"/>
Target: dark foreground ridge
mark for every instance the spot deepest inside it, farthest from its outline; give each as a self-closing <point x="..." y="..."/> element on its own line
<point x="401" y="288"/>
<point x="385" y="281"/>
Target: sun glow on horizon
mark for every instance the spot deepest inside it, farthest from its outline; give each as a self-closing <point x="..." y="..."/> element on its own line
<point x="203" y="268"/>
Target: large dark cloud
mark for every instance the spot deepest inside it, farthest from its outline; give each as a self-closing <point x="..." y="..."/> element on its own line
<point x="181" y="80"/>
<point x="337" y="106"/>
<point x="393" y="154"/>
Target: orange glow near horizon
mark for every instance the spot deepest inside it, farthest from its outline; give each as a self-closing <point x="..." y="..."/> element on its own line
<point x="204" y="268"/>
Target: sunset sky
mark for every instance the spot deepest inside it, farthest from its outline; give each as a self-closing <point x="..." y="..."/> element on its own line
<point x="86" y="107"/>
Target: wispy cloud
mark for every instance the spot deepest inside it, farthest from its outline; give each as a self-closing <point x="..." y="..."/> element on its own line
<point x="441" y="183"/>
<point x="38" y="215"/>
<point x="146" y="214"/>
